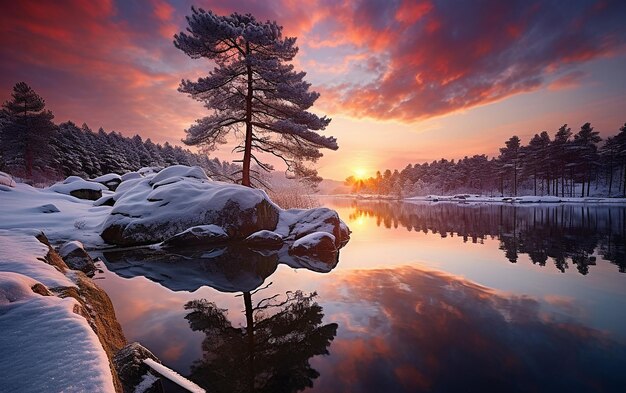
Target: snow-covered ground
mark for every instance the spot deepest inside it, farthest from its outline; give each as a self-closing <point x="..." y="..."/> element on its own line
<point x="513" y="200"/>
<point x="46" y="345"/>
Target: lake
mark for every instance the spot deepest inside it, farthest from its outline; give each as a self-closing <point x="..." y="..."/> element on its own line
<point x="425" y="297"/>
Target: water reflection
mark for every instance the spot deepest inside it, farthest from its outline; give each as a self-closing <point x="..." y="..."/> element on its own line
<point x="565" y="234"/>
<point x="408" y="329"/>
<point x="232" y="268"/>
<point x="270" y="354"/>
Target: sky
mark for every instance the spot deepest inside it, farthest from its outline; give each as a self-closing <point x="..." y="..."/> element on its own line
<point x="404" y="81"/>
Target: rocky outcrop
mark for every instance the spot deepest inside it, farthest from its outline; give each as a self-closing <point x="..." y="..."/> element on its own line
<point x="297" y="223"/>
<point x="94" y="304"/>
<point x="132" y="371"/>
<point x="77" y="258"/>
<point x="157" y="207"/>
<point x="264" y="239"/>
<point x="79" y="188"/>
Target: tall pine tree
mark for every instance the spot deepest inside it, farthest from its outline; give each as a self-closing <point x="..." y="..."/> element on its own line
<point x="27" y="132"/>
<point x="254" y="89"/>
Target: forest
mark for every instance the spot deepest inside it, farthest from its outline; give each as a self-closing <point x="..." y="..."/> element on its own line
<point x="34" y="148"/>
<point x="567" y="165"/>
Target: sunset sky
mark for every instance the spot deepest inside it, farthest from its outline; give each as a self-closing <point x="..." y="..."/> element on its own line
<point x="404" y="81"/>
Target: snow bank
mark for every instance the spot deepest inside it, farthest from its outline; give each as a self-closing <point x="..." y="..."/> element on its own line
<point x="179" y="197"/>
<point x="6" y="180"/>
<point x="23" y="253"/>
<point x="45" y="346"/>
<point x="61" y="217"/>
<point x="472" y="198"/>
<point x="131" y="176"/>
<point x="15" y="287"/>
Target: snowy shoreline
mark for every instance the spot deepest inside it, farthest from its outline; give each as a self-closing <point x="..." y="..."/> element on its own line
<point x="472" y="198"/>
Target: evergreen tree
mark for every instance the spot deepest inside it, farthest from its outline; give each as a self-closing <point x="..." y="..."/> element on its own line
<point x="254" y="87"/>
<point x="586" y="148"/>
<point x="27" y="132"/>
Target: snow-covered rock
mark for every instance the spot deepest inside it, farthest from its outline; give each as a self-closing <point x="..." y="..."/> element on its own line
<point x="316" y="242"/>
<point x="131" y="369"/>
<point x="75" y="256"/>
<point x="149" y="170"/>
<point x="296" y="223"/>
<point x="157" y="207"/>
<point x="48" y="208"/>
<point x="131" y="175"/>
<point x="264" y="239"/>
<point x="6" y="180"/>
<point x="196" y="236"/>
<point x="110" y="180"/>
<point x="79" y="188"/>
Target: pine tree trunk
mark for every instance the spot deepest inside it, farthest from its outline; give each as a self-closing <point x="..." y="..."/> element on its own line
<point x="610" y="179"/>
<point x="247" y="152"/>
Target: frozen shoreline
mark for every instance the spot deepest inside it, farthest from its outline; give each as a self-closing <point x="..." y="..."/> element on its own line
<point x="472" y="198"/>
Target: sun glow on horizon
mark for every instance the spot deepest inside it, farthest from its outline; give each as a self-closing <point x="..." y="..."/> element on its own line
<point x="360" y="173"/>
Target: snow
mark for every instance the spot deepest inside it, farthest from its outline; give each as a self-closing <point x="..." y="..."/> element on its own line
<point x="312" y="240"/>
<point x="15" y="287"/>
<point x="130" y="176"/>
<point x="26" y="207"/>
<point x="146" y="383"/>
<point x="265" y="235"/>
<point x="69" y="247"/>
<point x="107" y="178"/>
<point x="46" y="347"/>
<point x="209" y="230"/>
<point x="471" y="198"/>
<point x="173" y="376"/>
<point x="175" y="199"/>
<point x="23" y="253"/>
<point x="6" y="180"/>
<point x="74" y="183"/>
<point x="145" y="171"/>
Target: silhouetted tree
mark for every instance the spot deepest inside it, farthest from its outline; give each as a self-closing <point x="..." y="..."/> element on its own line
<point x="27" y="131"/>
<point x="253" y="87"/>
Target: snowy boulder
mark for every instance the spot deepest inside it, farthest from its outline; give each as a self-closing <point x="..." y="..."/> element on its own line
<point x="130" y="176"/>
<point x="197" y="236"/>
<point x="77" y="258"/>
<point x="110" y="180"/>
<point x="48" y="208"/>
<point x="314" y="243"/>
<point x="264" y="239"/>
<point x="79" y="188"/>
<point x="157" y="207"/>
<point x="6" y="180"/>
<point x="296" y="223"/>
<point x="149" y="170"/>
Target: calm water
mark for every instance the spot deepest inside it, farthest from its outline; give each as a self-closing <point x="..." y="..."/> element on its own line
<point x="424" y="297"/>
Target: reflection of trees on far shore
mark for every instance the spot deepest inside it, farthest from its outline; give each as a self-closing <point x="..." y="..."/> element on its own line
<point x="566" y="234"/>
<point x="270" y="354"/>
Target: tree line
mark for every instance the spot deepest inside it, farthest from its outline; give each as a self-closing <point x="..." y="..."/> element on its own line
<point x="34" y="148"/>
<point x="566" y="165"/>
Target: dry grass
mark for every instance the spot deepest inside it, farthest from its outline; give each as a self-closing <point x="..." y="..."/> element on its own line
<point x="293" y="197"/>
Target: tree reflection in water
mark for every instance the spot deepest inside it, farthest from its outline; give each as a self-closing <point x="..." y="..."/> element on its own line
<point x="564" y="233"/>
<point x="270" y="354"/>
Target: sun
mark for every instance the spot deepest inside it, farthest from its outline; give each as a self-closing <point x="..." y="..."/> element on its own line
<point x="360" y="173"/>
